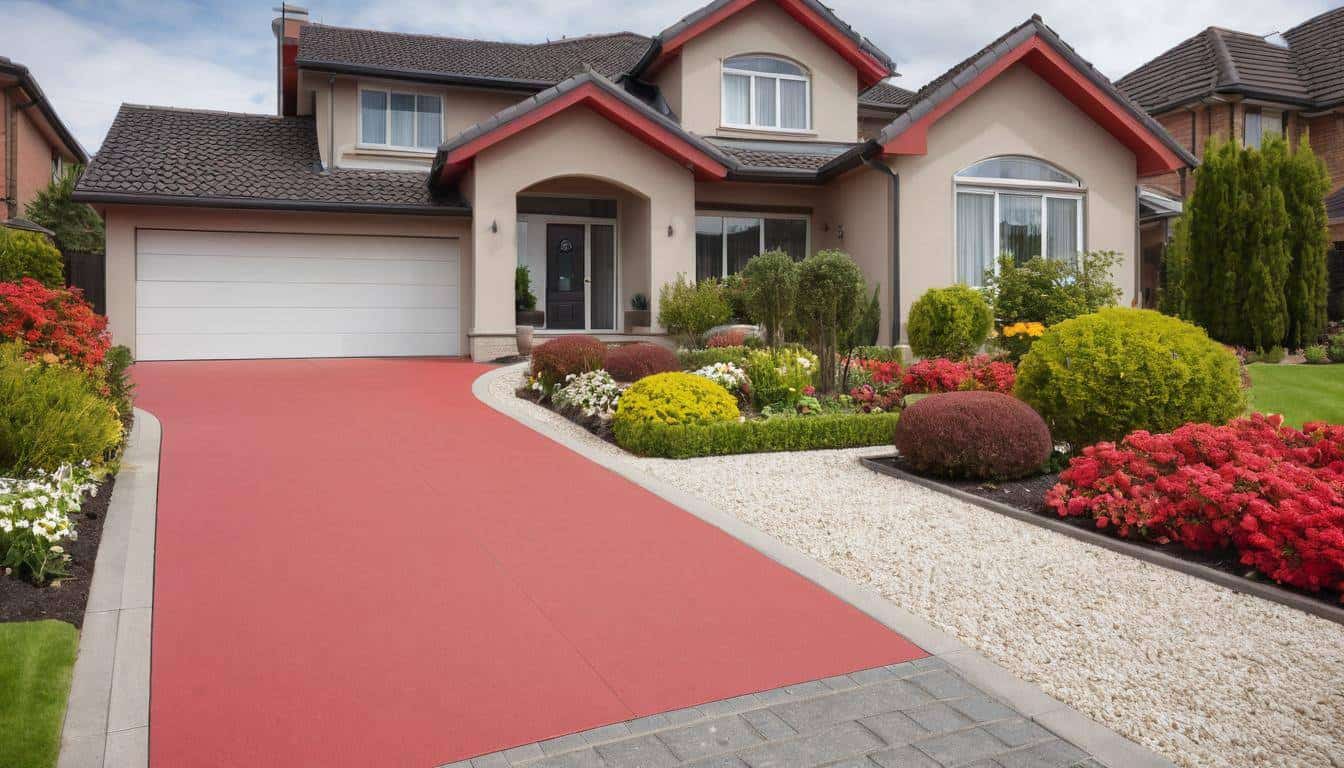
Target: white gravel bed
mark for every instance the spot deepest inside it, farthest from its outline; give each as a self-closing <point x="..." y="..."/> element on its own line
<point x="1196" y="672"/>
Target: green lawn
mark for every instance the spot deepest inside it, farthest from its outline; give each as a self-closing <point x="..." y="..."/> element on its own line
<point x="36" y="658"/>
<point x="1300" y="392"/>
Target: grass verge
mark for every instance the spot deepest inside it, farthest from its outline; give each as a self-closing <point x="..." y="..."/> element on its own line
<point x="36" y="658"/>
<point x="1301" y="393"/>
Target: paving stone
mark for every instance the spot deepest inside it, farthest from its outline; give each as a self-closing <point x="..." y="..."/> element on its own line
<point x="895" y="728"/>
<point x="840" y="683"/>
<point x="1016" y="733"/>
<point x="1051" y="754"/>
<point x="961" y="747"/>
<point x="870" y="676"/>
<point x="904" y="669"/>
<point x="725" y="734"/>
<point x="584" y="758"/>
<point x="731" y="706"/>
<point x="776" y="696"/>
<point x="683" y="716"/>
<point x="810" y="688"/>
<point x="856" y="762"/>
<point x="905" y="757"/>
<point x="837" y="743"/>
<point x="649" y="724"/>
<point x="566" y="743"/>
<point x="492" y="760"/>
<point x="875" y="699"/>
<point x="639" y="752"/>
<point x="768" y="724"/>
<point x="945" y="685"/>
<point x="719" y="761"/>
<point x="938" y="718"/>
<point x="606" y="733"/>
<point x="1091" y="762"/>
<point x="928" y="663"/>
<point x="523" y="754"/>
<point x="982" y="709"/>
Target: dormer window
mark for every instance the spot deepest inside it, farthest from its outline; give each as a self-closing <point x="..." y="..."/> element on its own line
<point x="766" y="93"/>
<point x="400" y="120"/>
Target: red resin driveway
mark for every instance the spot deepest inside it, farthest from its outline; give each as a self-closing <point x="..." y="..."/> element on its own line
<point x="358" y="564"/>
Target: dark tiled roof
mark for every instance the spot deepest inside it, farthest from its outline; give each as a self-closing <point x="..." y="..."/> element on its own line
<point x="1308" y="71"/>
<point x="798" y="156"/>
<point x="167" y="155"/>
<point x="1334" y="205"/>
<point x="887" y="95"/>
<point x="948" y="83"/>
<point x="538" y="64"/>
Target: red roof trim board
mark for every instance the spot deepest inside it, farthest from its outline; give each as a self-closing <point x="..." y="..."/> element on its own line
<point x="591" y="96"/>
<point x="1152" y="155"/>
<point x="871" y="71"/>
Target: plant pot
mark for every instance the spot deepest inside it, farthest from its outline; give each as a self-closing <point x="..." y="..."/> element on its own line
<point x="533" y="317"/>
<point x="637" y="318"/>
<point x="524" y="338"/>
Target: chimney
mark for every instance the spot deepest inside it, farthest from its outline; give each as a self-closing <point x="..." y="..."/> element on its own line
<point x="286" y="27"/>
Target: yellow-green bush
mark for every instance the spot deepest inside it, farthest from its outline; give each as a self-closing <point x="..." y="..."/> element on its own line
<point x="810" y="433"/>
<point x="673" y="399"/>
<point x="50" y="415"/>
<point x="29" y="254"/>
<point x="1100" y="376"/>
<point x="949" y="322"/>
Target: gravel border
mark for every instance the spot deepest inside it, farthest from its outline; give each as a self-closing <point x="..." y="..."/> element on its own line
<point x="1204" y="675"/>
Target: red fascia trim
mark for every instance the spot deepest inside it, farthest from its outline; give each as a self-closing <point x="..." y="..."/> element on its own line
<point x="871" y="71"/>
<point x="610" y="107"/>
<point x="1151" y="155"/>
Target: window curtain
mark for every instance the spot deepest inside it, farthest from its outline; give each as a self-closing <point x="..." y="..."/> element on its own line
<point x="787" y="235"/>
<point x="429" y="122"/>
<point x="708" y="247"/>
<point x="793" y="104"/>
<point x="765" y="101"/>
<point x="744" y="242"/>
<point x="1061" y="215"/>
<point x="1020" y="226"/>
<point x="975" y="237"/>
<point x="373" y="117"/>
<point x="403" y="120"/>
<point x="737" y="99"/>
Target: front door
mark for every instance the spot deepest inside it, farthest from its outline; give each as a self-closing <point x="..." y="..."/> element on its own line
<point x="565" y="275"/>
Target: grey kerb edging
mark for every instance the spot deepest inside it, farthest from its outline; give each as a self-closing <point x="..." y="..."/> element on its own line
<point x="107" y="715"/>
<point x="1104" y="744"/>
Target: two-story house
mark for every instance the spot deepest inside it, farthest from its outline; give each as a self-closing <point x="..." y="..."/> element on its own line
<point x="384" y="210"/>
<point x="1227" y="84"/>
<point x="35" y="146"/>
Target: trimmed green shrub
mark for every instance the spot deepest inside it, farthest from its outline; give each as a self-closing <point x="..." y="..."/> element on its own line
<point x="673" y="398"/>
<point x="1335" y="349"/>
<point x="120" y="386"/>
<point x="1316" y="354"/>
<point x="563" y="355"/>
<point x="735" y="293"/>
<point x="950" y="322"/>
<point x="688" y="310"/>
<point x="771" y="292"/>
<point x="880" y="354"/>
<point x="1048" y="291"/>
<point x="1104" y="375"/>
<point x="77" y="226"/>
<point x="830" y="304"/>
<point x="523" y="298"/>
<point x="29" y="254"/>
<point x="50" y="415"/>
<point x="632" y="362"/>
<point x="866" y="330"/>
<point x="974" y="435"/>
<point x="808" y="433"/>
<point x="695" y="359"/>
<point x="780" y="376"/>
<point x="1274" y="355"/>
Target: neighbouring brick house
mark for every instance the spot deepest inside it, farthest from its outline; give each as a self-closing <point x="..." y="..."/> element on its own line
<point x="1223" y="83"/>
<point x="35" y="145"/>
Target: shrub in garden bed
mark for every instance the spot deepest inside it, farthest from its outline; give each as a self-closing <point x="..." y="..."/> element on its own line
<point x="673" y="398"/>
<point x="727" y="375"/>
<point x="591" y="395"/>
<point x="51" y="415"/>
<point x="692" y="359"/>
<point x="733" y="337"/>
<point x="563" y="356"/>
<point x="779" y="377"/>
<point x="1317" y="354"/>
<point x="804" y="433"/>
<point x="31" y="255"/>
<point x="36" y="518"/>
<point x="949" y="322"/>
<point x="1101" y="376"/>
<point x="981" y="372"/>
<point x="632" y="362"/>
<point x="53" y="321"/>
<point x="973" y="435"/>
<point x="879" y="354"/>
<point x="687" y="310"/>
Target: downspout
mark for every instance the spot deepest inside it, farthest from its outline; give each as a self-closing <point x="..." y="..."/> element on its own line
<point x="331" y="122"/>
<point x="895" y="245"/>
<point x="11" y="153"/>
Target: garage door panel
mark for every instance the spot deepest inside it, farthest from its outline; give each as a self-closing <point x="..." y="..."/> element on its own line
<point x="282" y="320"/>
<point x="280" y="269"/>
<point x="293" y="246"/>
<point x="189" y="294"/>
<point x="250" y="346"/>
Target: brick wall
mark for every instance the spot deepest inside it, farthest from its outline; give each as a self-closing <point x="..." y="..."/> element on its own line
<point x="1327" y="141"/>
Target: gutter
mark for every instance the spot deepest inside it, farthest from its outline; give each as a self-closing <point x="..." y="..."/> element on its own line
<point x="419" y="75"/>
<point x="38" y="98"/>
<point x="882" y="167"/>
<point x="119" y="198"/>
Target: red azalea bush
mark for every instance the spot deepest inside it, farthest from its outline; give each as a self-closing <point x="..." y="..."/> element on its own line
<point x="563" y="355"/>
<point x="1273" y="493"/>
<point x="940" y="374"/>
<point x="876" y="399"/>
<point x="632" y="362"/>
<point x="976" y="435"/>
<point x="53" y="321"/>
<point x="881" y="371"/>
<point x="733" y="337"/>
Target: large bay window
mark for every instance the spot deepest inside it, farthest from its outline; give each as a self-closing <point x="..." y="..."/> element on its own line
<point x="400" y="120"/>
<point x="763" y="92"/>
<point x="724" y="243"/>
<point x="1017" y="207"/>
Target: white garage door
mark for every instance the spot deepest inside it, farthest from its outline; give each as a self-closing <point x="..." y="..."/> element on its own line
<point x="213" y="295"/>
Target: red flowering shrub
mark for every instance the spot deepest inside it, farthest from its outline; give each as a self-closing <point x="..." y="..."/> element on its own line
<point x="943" y="375"/>
<point x="1274" y="493"/>
<point x="876" y="399"/>
<point x="733" y="337"/>
<point x="563" y="355"/>
<point x="977" y="435"/>
<point x="632" y="362"/>
<point x="881" y="371"/>
<point x="53" y="321"/>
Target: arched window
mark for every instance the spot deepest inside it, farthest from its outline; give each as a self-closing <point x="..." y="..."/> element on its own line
<point x="1018" y="207"/>
<point x="764" y="92"/>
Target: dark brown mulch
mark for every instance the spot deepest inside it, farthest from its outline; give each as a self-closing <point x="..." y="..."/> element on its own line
<point x="21" y="600"/>
<point x="1028" y="495"/>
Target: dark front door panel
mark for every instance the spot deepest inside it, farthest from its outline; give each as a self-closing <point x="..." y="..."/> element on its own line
<point x="564" y="275"/>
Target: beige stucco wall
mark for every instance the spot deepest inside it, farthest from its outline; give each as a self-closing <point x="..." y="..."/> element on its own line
<point x="575" y="143"/>
<point x="858" y="222"/>
<point x="695" y="79"/>
<point x="1018" y="113"/>
<point x="123" y="221"/>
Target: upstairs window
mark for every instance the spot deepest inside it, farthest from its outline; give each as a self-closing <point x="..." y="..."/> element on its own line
<point x="763" y="92"/>
<point x="1261" y="123"/>
<point x="400" y="120"/>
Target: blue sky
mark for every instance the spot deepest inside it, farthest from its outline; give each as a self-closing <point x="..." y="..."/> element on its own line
<point x="91" y="56"/>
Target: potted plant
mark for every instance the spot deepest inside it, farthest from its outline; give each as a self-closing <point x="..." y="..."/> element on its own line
<point x="526" y="314"/>
<point x="637" y="316"/>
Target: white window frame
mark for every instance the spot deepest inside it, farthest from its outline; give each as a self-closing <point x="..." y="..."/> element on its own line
<point x="752" y="75"/>
<point x="761" y="217"/>
<point x="1275" y="124"/>
<point x="998" y="190"/>
<point x="387" y="118"/>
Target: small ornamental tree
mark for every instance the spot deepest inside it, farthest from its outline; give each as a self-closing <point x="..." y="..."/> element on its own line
<point x="1172" y="300"/>
<point x="29" y="254"/>
<point x="1305" y="183"/>
<point x="771" y="289"/>
<point x="830" y="295"/>
<point x="949" y="322"/>
<point x="688" y="310"/>
<point x="77" y="226"/>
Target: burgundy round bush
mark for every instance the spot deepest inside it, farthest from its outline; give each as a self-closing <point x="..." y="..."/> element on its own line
<point x="632" y="362"/>
<point x="973" y="435"/>
<point x="563" y="355"/>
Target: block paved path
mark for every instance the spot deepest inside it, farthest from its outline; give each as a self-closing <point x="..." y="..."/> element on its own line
<point x="358" y="563"/>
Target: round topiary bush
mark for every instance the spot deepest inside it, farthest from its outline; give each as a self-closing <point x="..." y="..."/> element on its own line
<point x="632" y="362"/>
<point x="563" y="355"/>
<point x="973" y="435"/>
<point x="949" y="322"/>
<point x="673" y="399"/>
<point x="1101" y="376"/>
